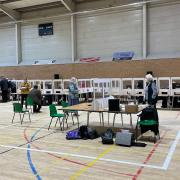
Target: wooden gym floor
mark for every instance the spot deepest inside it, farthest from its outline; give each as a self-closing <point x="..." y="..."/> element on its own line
<point x="29" y="151"/>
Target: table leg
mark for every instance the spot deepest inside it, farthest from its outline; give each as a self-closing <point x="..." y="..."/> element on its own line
<point x="131" y="120"/>
<point x="102" y="119"/>
<point x="88" y="118"/>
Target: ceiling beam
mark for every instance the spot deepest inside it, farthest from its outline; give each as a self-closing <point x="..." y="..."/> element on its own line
<point x="69" y="4"/>
<point x="11" y="13"/>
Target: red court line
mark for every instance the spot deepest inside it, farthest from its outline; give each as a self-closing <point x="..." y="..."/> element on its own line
<point x="177" y="115"/>
<point x="74" y="162"/>
<point x="139" y="171"/>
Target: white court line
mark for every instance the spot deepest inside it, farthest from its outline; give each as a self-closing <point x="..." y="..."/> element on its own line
<point x="164" y="167"/>
<point x="86" y="157"/>
<point x="4" y="127"/>
<point x="171" y="151"/>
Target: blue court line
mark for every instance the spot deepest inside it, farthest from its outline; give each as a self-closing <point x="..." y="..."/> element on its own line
<point x="33" y="168"/>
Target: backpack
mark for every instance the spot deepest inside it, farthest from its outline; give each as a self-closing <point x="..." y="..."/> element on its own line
<point x="74" y="134"/>
<point x="107" y="137"/>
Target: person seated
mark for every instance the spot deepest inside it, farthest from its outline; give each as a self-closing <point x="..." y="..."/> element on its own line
<point x="36" y="96"/>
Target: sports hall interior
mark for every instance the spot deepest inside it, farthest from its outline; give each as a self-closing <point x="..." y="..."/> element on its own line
<point x="51" y="41"/>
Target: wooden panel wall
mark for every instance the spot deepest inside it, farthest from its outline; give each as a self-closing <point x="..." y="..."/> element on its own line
<point x="131" y="68"/>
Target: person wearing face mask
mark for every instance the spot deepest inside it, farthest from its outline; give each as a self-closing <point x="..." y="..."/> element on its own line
<point x="150" y="90"/>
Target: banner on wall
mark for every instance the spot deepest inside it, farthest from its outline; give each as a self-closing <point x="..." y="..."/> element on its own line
<point x="90" y="59"/>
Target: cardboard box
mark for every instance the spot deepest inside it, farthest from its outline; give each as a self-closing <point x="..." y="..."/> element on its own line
<point x="131" y="108"/>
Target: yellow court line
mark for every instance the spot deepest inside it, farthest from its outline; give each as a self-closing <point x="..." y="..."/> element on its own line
<point x="57" y="161"/>
<point x="77" y="174"/>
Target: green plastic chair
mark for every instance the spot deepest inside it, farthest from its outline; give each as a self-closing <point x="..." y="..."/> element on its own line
<point x="30" y="103"/>
<point x="67" y="112"/>
<point x="17" y="108"/>
<point x="148" y="122"/>
<point x="54" y="114"/>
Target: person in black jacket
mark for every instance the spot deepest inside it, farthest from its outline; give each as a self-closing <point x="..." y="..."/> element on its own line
<point x="12" y="86"/>
<point x="151" y="92"/>
<point x="4" y="88"/>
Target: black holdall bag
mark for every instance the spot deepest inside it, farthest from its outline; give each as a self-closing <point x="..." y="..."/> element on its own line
<point x="87" y="132"/>
<point x="107" y="137"/>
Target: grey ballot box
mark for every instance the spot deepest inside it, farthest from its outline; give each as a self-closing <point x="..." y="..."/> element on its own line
<point x="124" y="138"/>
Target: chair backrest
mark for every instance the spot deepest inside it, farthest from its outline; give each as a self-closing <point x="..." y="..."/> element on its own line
<point x="64" y="104"/>
<point x="29" y="101"/>
<point x="52" y="109"/>
<point x="17" y="107"/>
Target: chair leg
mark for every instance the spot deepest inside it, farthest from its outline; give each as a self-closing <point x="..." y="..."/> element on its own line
<point x="13" y="117"/>
<point x="64" y="118"/>
<point x="50" y="123"/>
<point x="22" y="118"/>
<point x="56" y="122"/>
<point x="59" y="123"/>
<point x="29" y="116"/>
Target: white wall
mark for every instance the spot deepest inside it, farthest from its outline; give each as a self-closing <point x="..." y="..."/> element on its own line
<point x="101" y="35"/>
<point x="56" y="46"/>
<point x="7" y="46"/>
<point x="98" y="34"/>
<point x="164" y="31"/>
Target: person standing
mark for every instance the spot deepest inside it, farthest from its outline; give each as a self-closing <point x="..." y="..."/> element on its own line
<point x="25" y="88"/>
<point x="73" y="92"/>
<point x="4" y="88"/>
<point x="151" y="92"/>
<point x="12" y="85"/>
<point x="36" y="96"/>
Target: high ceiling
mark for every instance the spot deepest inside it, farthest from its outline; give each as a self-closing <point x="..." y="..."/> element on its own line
<point x="14" y="8"/>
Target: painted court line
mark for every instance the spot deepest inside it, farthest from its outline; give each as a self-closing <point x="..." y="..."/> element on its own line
<point x="171" y="151"/>
<point x="164" y="167"/>
<point x="4" y="127"/>
<point x="86" y="157"/>
<point x="77" y="174"/>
